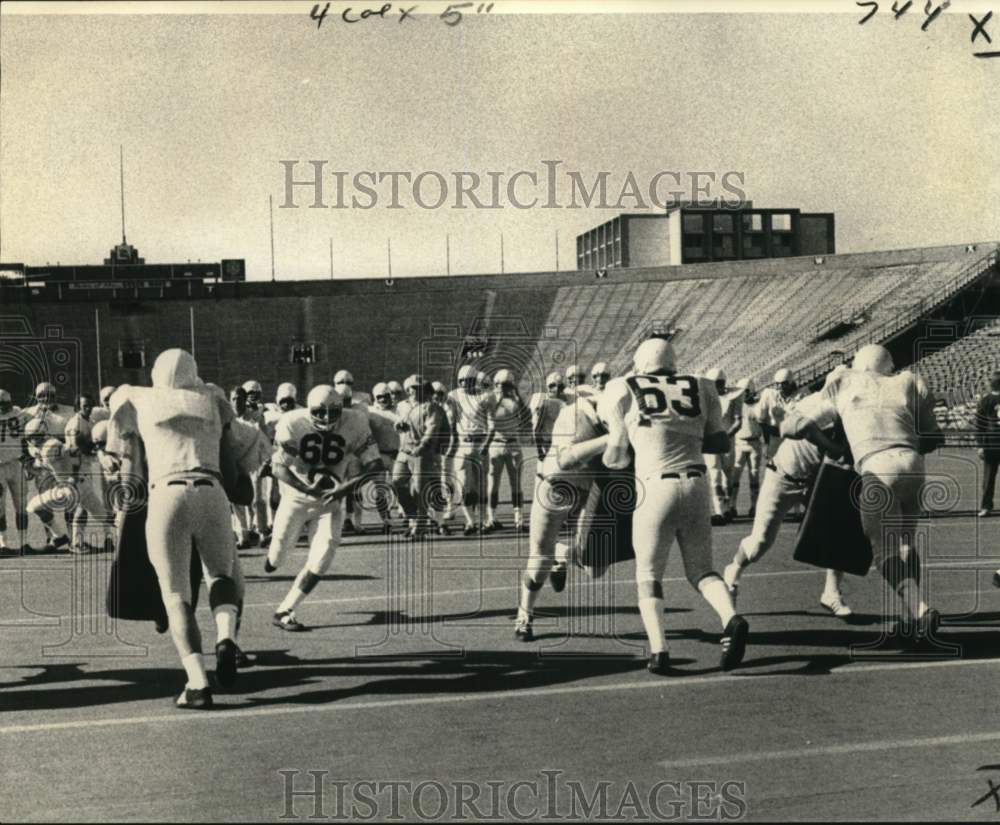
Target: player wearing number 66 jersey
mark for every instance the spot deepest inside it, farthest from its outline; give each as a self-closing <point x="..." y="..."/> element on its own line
<point x="670" y="420"/>
<point x="313" y="448"/>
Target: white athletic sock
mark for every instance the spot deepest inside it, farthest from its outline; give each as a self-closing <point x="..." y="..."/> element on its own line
<point x="528" y="600"/>
<point x="469" y="522"/>
<point x="225" y="621"/>
<point x="714" y="591"/>
<point x="518" y="517"/>
<point x="651" y="610"/>
<point x="194" y="666"/>
<point x="292" y="600"/>
<point x="490" y="517"/>
<point x="562" y="552"/>
<point x="832" y="586"/>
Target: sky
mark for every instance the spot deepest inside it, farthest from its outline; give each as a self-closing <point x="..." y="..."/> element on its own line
<point x="893" y="129"/>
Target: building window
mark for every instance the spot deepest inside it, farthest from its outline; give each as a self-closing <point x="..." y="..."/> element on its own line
<point x="753" y="222"/>
<point x="132" y="355"/>
<point x="723" y="237"/>
<point x="303" y="353"/>
<point x="781" y="222"/>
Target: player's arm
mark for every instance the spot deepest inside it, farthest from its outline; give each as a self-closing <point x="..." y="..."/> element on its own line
<point x="611" y="409"/>
<point x="714" y="440"/>
<point x="371" y="466"/>
<point x="574" y="455"/>
<point x="928" y="430"/>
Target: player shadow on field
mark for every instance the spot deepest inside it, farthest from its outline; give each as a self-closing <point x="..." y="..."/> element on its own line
<point x="128" y="685"/>
<point x="478" y="672"/>
<point x="397" y="618"/>
<point x="254" y="578"/>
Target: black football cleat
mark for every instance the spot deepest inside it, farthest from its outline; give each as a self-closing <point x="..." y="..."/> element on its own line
<point x="286" y="620"/>
<point x="195" y="699"/>
<point x="928" y="624"/>
<point x="523" y="631"/>
<point x="718" y="521"/>
<point x="659" y="663"/>
<point x="443" y="529"/>
<point x="471" y="530"/>
<point x="996" y="578"/>
<point x="242" y="660"/>
<point x="268" y="567"/>
<point x="734" y="642"/>
<point x="558" y="578"/>
<point x="225" y="662"/>
<point x="253" y="538"/>
<point x="265" y="541"/>
<point x="348" y="529"/>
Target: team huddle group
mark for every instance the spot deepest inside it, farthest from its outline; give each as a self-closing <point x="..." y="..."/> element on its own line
<point x="222" y="473"/>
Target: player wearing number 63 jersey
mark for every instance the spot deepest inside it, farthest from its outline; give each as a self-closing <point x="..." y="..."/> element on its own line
<point x="313" y="448"/>
<point x="670" y="420"/>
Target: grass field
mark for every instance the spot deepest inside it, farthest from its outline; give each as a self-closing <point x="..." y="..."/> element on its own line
<point x="410" y="673"/>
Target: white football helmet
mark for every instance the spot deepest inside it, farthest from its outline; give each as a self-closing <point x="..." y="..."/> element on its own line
<point x="285" y="391"/>
<point x="782" y="376"/>
<point x="382" y="396"/>
<point x="396" y="389"/>
<point x="554" y="379"/>
<point x="466" y="373"/>
<point x="503" y="378"/>
<point x="99" y="434"/>
<point x="106" y="393"/>
<point x="325" y="406"/>
<point x="873" y="358"/>
<point x="175" y="369"/>
<point x="574" y="376"/>
<point x="45" y="393"/>
<point x="439" y="388"/>
<point x="414" y="381"/>
<point x="482" y="381"/>
<point x="600" y="368"/>
<point x="747" y="385"/>
<point x="654" y="356"/>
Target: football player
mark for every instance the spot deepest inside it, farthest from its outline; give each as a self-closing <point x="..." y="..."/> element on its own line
<point x="670" y="420"/>
<point x="890" y="424"/>
<point x="12" y="423"/>
<point x="103" y="412"/>
<point x="774" y="403"/>
<point x="397" y="392"/>
<point x="48" y="410"/>
<point x="79" y="425"/>
<point x="252" y="449"/>
<point x="424" y="434"/>
<point x="313" y="449"/>
<point x="471" y="432"/>
<point x="576" y="384"/>
<point x="560" y="497"/>
<point x="447" y="459"/>
<point x="508" y="418"/>
<point x="788" y="479"/>
<point x="545" y="409"/>
<point x="77" y="486"/>
<point x="748" y="450"/>
<point x="720" y="465"/>
<point x="382" y="419"/>
<point x="285" y="400"/>
<point x="343" y="383"/>
<point x="182" y="422"/>
<point x="600" y="374"/>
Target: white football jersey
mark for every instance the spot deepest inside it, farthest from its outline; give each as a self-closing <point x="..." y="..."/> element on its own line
<point x="506" y="419"/>
<point x="545" y="411"/>
<point x="878" y="412"/>
<point x="383" y="424"/>
<point x="574" y="424"/>
<point x="750" y="429"/>
<point x="53" y="456"/>
<point x="473" y="412"/>
<point x="180" y="428"/>
<point x="55" y="420"/>
<point x="666" y="417"/>
<point x="309" y="452"/>
<point x="11" y="434"/>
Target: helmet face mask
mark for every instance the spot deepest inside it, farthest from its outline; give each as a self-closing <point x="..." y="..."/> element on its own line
<point x="325" y="407"/>
<point x="286" y="404"/>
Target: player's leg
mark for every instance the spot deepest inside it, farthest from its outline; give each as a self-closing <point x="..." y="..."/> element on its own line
<point x="717" y="485"/>
<point x="553" y="503"/>
<point x="990" y="463"/>
<point x="422" y="478"/>
<point x="741" y="459"/>
<point x="324" y="538"/>
<point x="215" y="544"/>
<point x="292" y="514"/>
<point x="889" y="478"/>
<point x="260" y="500"/>
<point x="241" y="515"/>
<point x="777" y="495"/>
<point x="401" y="482"/>
<point x="47" y="506"/>
<point x="694" y="536"/>
<point x="469" y="478"/>
<point x="498" y="460"/>
<point x="168" y="539"/>
<point x="654" y="527"/>
<point x="383" y="492"/>
<point x="515" y="461"/>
